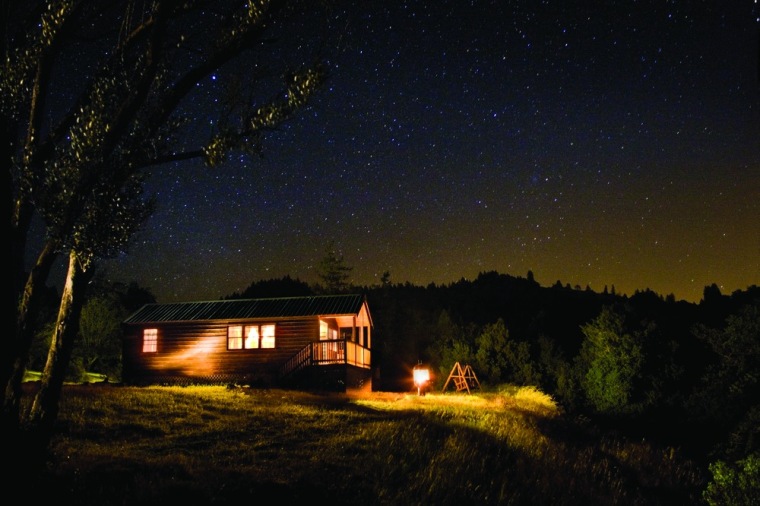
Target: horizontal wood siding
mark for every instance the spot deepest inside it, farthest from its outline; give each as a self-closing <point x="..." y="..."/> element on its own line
<point x="196" y="351"/>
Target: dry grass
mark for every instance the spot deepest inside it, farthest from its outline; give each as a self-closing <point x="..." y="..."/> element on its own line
<point x="216" y="445"/>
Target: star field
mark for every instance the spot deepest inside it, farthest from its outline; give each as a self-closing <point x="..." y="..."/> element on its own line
<point x="595" y="144"/>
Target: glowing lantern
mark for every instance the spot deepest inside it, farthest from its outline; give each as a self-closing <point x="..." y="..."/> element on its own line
<point x="421" y="378"/>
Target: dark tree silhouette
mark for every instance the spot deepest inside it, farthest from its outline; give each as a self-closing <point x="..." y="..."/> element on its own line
<point x="334" y="272"/>
<point x="283" y="287"/>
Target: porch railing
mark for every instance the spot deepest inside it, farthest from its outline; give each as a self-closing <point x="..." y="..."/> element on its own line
<point x="334" y="351"/>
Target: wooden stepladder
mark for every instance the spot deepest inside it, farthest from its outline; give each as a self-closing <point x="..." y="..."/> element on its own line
<point x="464" y="378"/>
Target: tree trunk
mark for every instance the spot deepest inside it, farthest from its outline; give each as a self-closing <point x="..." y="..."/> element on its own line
<point x="33" y="444"/>
<point x="45" y="407"/>
<point x="14" y="364"/>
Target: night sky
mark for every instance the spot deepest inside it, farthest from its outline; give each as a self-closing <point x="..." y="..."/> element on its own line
<point x="592" y="143"/>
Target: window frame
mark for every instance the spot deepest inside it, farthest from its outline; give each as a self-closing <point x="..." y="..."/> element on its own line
<point x="254" y="336"/>
<point x="150" y="340"/>
<point x="234" y="337"/>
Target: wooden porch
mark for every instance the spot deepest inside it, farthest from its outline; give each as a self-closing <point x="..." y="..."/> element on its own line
<point x="327" y="353"/>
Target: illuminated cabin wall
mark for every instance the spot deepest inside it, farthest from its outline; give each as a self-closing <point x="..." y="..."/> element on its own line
<point x="196" y="352"/>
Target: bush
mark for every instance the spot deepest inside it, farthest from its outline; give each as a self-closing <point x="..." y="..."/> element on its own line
<point x="737" y="485"/>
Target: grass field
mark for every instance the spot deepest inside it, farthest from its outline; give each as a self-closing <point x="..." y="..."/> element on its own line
<point x="216" y="445"/>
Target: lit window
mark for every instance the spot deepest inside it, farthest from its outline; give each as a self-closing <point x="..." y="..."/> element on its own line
<point x="252" y="336"/>
<point x="150" y="340"/>
<point x="235" y="337"/>
<point x="325" y="332"/>
<point x="267" y="336"/>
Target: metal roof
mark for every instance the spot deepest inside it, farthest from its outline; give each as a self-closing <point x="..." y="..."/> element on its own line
<point x="283" y="307"/>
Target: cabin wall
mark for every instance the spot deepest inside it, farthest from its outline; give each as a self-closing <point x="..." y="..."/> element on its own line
<point x="196" y="352"/>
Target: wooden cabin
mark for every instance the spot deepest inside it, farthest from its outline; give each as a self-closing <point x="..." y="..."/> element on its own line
<point x="315" y="342"/>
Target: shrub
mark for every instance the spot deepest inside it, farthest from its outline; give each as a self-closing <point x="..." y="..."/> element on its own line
<point x="734" y="485"/>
